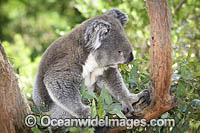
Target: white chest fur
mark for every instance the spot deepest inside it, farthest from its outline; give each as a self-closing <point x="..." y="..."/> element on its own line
<point x="91" y="71"/>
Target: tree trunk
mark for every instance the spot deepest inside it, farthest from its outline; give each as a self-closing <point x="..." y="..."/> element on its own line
<point x="13" y="107"/>
<point x="160" y="98"/>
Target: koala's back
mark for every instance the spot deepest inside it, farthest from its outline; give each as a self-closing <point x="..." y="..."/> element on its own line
<point x="65" y="53"/>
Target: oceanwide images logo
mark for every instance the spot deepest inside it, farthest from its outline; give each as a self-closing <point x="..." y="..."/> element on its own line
<point x="46" y="121"/>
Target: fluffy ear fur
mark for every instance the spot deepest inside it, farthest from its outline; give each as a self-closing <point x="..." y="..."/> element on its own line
<point x="96" y="32"/>
<point x="116" y="13"/>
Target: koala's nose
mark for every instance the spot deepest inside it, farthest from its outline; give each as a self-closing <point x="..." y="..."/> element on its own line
<point x="130" y="57"/>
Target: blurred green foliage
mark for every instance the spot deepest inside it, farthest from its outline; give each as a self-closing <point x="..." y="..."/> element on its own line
<point x="27" y="28"/>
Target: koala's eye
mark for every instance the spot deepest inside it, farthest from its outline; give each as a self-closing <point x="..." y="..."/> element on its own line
<point x="120" y="52"/>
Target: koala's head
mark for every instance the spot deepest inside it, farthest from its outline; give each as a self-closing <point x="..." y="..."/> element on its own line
<point x="106" y="37"/>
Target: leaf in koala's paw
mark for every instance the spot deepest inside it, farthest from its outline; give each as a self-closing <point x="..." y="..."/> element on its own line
<point x="89" y="95"/>
<point x="94" y="111"/>
<point x="106" y="95"/>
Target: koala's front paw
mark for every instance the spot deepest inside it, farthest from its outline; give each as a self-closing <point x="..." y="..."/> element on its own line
<point x="84" y="112"/>
<point x="127" y="103"/>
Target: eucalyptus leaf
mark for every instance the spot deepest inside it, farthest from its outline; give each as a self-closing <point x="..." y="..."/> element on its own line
<point x="89" y="94"/>
<point x="106" y="95"/>
<point x="93" y="110"/>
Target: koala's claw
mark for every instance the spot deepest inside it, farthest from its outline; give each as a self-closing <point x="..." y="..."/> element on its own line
<point x="147" y="97"/>
<point x="145" y="92"/>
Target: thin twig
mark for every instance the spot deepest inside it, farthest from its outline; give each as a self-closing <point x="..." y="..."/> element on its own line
<point x="178" y="7"/>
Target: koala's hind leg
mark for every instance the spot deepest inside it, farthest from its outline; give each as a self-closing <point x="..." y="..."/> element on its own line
<point x="63" y="92"/>
<point x="58" y="113"/>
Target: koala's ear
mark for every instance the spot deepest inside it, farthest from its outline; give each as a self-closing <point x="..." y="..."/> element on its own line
<point x="96" y="32"/>
<point x="116" y="13"/>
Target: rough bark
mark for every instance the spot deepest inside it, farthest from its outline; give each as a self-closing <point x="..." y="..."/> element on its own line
<point x="160" y="98"/>
<point x="13" y="107"/>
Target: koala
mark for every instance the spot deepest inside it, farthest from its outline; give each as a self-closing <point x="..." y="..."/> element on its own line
<point x="90" y="53"/>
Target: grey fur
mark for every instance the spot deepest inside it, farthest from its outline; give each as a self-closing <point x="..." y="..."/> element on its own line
<point x="98" y="29"/>
<point x="89" y="52"/>
<point x="122" y="17"/>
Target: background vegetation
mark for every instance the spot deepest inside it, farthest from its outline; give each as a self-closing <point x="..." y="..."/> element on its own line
<point x="27" y="28"/>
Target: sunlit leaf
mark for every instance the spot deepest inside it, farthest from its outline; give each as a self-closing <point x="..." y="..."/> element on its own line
<point x="93" y="110"/>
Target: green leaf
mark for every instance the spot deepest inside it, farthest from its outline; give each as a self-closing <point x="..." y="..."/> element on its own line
<point x="35" y="130"/>
<point x="89" y="95"/>
<point x="87" y="130"/>
<point x="83" y="88"/>
<point x="196" y="74"/>
<point x="100" y="102"/>
<point x="101" y="112"/>
<point x="165" y="115"/>
<point x="106" y="95"/>
<point x="134" y="74"/>
<point x="38" y="120"/>
<point x="50" y="130"/>
<point x="180" y="90"/>
<point x="35" y="109"/>
<point x="93" y="111"/>
<point x="118" y="113"/>
<point x="113" y="106"/>
<point x="73" y="129"/>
